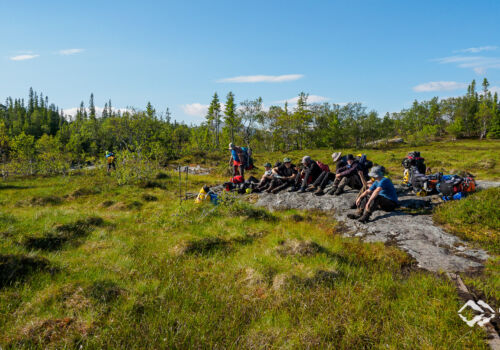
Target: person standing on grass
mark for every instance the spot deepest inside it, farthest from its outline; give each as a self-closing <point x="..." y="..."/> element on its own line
<point x="238" y="160"/>
<point x="380" y="196"/>
<point x="110" y="160"/>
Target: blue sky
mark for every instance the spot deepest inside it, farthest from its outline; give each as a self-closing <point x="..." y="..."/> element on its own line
<point x="176" y="54"/>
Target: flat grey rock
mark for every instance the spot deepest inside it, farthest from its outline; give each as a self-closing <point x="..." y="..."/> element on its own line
<point x="433" y="248"/>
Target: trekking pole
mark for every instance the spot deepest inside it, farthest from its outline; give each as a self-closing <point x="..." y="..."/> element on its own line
<point x="187" y="173"/>
<point x="180" y="186"/>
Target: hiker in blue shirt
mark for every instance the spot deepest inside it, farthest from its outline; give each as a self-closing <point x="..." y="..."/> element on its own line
<point x="381" y="195"/>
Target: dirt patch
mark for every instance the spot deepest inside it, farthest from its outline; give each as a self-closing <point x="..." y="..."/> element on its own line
<point x="74" y="298"/>
<point x="53" y="331"/>
<point x="82" y="192"/>
<point x="149" y="197"/>
<point x="18" y="267"/>
<point x="106" y="204"/>
<point x="40" y="201"/>
<point x="296" y="247"/>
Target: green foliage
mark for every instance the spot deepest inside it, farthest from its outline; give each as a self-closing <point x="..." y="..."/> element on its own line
<point x="475" y="218"/>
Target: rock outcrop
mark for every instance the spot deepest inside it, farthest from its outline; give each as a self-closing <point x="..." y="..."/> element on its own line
<point x="411" y="229"/>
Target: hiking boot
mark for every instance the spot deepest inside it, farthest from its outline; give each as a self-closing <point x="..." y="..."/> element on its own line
<point x="364" y="218"/>
<point x="293" y="189"/>
<point x="356" y="215"/>
<point x="276" y="190"/>
<point x="311" y="188"/>
<point x="338" y="192"/>
<point x="353" y="206"/>
<point x="302" y="190"/>
<point x="319" y="192"/>
<point x="332" y="191"/>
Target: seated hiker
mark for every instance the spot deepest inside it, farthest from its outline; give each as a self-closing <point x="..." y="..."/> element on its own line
<point x="266" y="179"/>
<point x="326" y="176"/>
<point x="347" y="175"/>
<point x="339" y="160"/>
<point x="283" y="176"/>
<point x="238" y="160"/>
<point x="110" y="160"/>
<point x="381" y="195"/>
<point x="309" y="173"/>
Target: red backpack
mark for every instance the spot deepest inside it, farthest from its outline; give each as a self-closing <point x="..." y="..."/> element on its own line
<point x="323" y="166"/>
<point x="238" y="179"/>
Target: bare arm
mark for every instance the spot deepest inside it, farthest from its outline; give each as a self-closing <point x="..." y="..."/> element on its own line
<point x="373" y="196"/>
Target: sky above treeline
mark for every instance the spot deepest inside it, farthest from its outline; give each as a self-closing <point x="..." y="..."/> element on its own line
<point x="176" y="54"/>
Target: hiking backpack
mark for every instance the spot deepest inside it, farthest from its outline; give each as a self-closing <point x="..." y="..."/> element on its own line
<point x="323" y="166"/>
<point x="247" y="151"/>
<point x="450" y="185"/>
<point x="414" y="159"/>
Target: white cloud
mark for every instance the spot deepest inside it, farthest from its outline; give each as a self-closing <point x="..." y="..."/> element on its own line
<point x="494" y="89"/>
<point x="72" y="111"/>
<point x="67" y="52"/>
<point x="439" y="86"/>
<point x="478" y="64"/>
<point x="310" y="99"/>
<point x="23" y="57"/>
<point x="262" y="78"/>
<point x="478" y="49"/>
<point x="195" y="109"/>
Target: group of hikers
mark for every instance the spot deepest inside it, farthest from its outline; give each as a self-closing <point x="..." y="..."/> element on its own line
<point x="376" y="192"/>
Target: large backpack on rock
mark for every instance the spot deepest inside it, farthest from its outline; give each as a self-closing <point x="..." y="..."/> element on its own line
<point x="414" y="159"/>
<point x="450" y="185"/>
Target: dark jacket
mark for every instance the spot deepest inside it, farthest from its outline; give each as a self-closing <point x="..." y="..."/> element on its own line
<point x="349" y="170"/>
<point x="313" y="170"/>
<point x="286" y="172"/>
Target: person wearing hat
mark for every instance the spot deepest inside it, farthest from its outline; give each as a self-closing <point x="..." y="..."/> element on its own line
<point x="309" y="173"/>
<point x="283" y="176"/>
<point x="347" y="175"/>
<point x="338" y="160"/>
<point x="266" y="178"/>
<point x="238" y="160"/>
<point x="380" y="196"/>
<point x="326" y="176"/>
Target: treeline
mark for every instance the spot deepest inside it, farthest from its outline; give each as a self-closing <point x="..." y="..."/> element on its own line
<point x="36" y="136"/>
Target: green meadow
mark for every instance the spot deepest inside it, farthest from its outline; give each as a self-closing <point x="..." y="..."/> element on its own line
<point x="85" y="262"/>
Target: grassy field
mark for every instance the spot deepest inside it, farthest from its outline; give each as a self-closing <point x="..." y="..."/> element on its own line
<point x="84" y="262"/>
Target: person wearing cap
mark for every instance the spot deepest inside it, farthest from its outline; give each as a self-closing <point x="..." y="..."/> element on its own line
<point x="266" y="178"/>
<point x="238" y="160"/>
<point x="326" y="176"/>
<point x="309" y="173"/>
<point x="283" y="176"/>
<point x="347" y="175"/>
<point x="380" y="196"/>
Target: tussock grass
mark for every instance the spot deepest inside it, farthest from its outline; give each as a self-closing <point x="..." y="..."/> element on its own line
<point x="475" y="218"/>
<point x="126" y="286"/>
